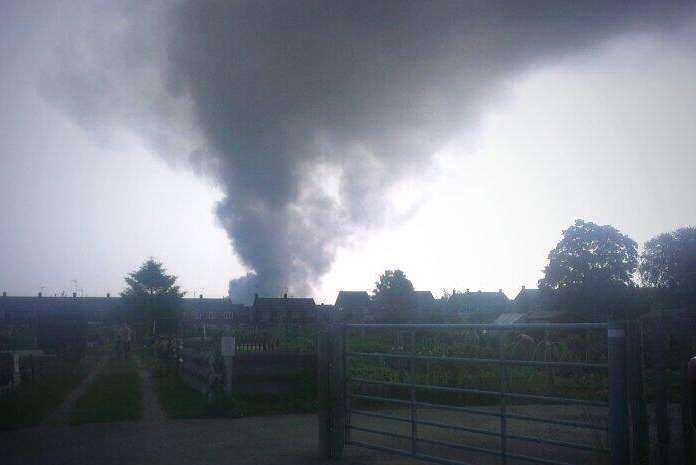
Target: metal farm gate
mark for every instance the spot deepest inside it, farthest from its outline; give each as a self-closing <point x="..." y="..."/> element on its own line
<point x="476" y="394"/>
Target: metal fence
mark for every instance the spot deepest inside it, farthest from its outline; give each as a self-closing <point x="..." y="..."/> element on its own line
<point x="396" y="403"/>
<point x="660" y="346"/>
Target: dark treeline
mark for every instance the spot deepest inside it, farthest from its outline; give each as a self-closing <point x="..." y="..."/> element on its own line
<point x="594" y="273"/>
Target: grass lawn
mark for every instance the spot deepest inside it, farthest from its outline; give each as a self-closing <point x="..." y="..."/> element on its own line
<point x="33" y="401"/>
<point x="179" y="400"/>
<point x="113" y="396"/>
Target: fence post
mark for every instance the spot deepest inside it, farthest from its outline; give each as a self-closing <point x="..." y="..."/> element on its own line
<point x="228" y="349"/>
<point x="642" y="417"/>
<point x="503" y="397"/>
<point x="330" y="386"/>
<point x="687" y="433"/>
<point x="618" y="401"/>
<point x="412" y="379"/>
<point x="338" y="388"/>
<point x="661" y="391"/>
<point x="640" y="442"/>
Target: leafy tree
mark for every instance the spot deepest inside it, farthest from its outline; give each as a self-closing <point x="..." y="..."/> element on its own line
<point x="668" y="263"/>
<point x="151" y="293"/>
<point x="590" y="270"/>
<point x="393" y="294"/>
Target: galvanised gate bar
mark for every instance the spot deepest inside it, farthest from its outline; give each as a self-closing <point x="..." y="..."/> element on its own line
<point x="391" y="400"/>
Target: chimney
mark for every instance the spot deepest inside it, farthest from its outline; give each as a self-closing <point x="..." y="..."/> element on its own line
<point x="74" y="294"/>
<point x="4" y="294"/>
<point x="523" y="288"/>
<point x="108" y="296"/>
<point x="285" y="296"/>
<point x="200" y="296"/>
<point x="39" y="295"/>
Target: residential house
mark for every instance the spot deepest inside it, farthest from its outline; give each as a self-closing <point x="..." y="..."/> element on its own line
<point x="527" y="300"/>
<point x="217" y="311"/>
<point x="471" y="302"/>
<point x="352" y="305"/>
<point x="424" y="300"/>
<point x="283" y="310"/>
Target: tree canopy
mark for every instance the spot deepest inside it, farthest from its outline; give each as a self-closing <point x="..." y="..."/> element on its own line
<point x="591" y="267"/>
<point x="393" y="293"/>
<point x="589" y="254"/>
<point x="151" y="293"/>
<point x="668" y="262"/>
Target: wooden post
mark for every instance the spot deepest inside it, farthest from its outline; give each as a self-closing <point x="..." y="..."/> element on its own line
<point x="503" y="399"/>
<point x="228" y="350"/>
<point x="338" y="389"/>
<point x="330" y="392"/>
<point x="661" y="393"/>
<point x="618" y="401"/>
<point x="346" y="384"/>
<point x="412" y="379"/>
<point x="640" y="445"/>
<point x="687" y="429"/>
<point x="643" y="433"/>
<point x="323" y="394"/>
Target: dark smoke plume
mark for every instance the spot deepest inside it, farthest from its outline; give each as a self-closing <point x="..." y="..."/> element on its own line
<point x="306" y="112"/>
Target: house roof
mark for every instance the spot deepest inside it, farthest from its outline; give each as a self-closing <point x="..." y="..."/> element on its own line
<point x="527" y="300"/>
<point x="352" y="300"/>
<point x="480" y="300"/>
<point x="423" y="298"/>
<point x="19" y="304"/>
<point x="27" y="305"/>
<point x="527" y="294"/>
<point x="293" y="304"/>
<point x="210" y="305"/>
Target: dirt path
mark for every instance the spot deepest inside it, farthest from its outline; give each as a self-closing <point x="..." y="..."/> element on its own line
<point x="152" y="411"/>
<point x="286" y="439"/>
<point x="60" y="416"/>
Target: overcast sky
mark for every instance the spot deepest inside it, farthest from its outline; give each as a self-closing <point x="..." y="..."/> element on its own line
<point x="113" y="147"/>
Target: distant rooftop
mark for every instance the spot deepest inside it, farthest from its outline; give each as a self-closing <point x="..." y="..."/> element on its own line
<point x="479" y="301"/>
<point x="284" y="303"/>
<point x="352" y="300"/>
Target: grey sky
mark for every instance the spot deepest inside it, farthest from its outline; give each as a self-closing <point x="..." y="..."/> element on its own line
<point x="458" y="159"/>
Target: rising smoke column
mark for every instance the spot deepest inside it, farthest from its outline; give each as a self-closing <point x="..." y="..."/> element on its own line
<point x="266" y="98"/>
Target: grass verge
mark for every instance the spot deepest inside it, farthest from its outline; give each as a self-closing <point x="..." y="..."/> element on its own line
<point x="113" y="396"/>
<point x="35" y="400"/>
